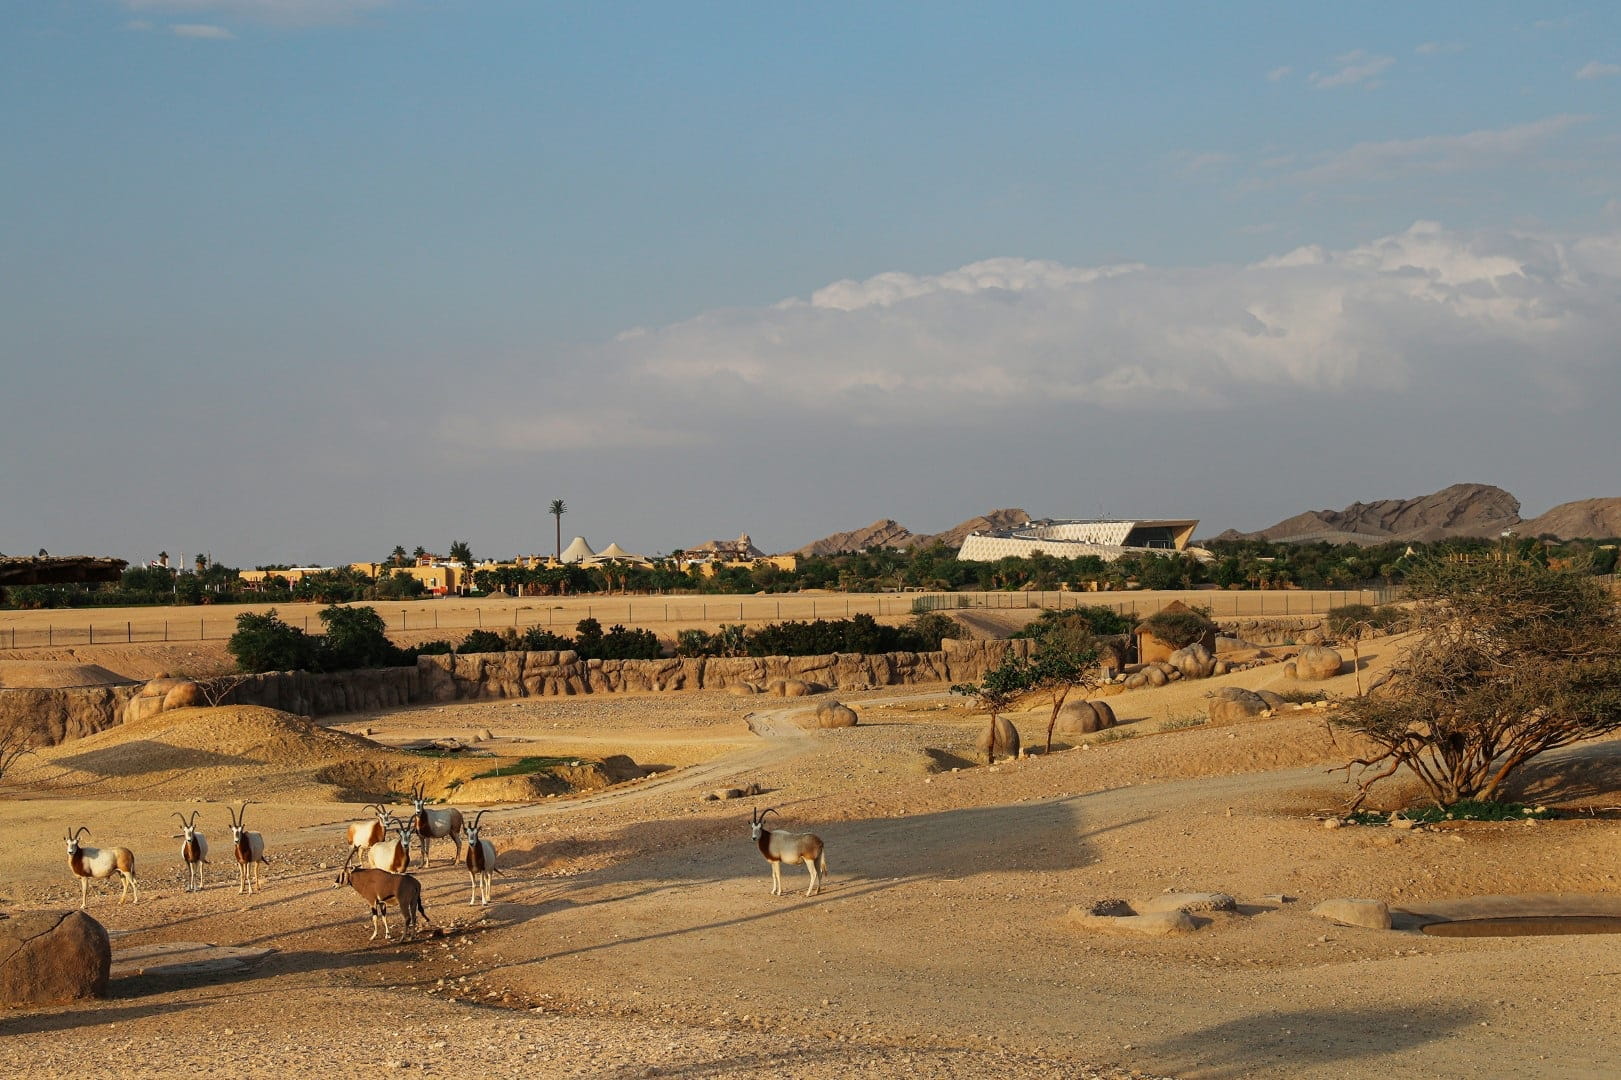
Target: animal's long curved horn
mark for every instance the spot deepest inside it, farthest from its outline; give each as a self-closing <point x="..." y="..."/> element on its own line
<point x="478" y="815"/>
<point x="82" y="829"/>
<point x="763" y="813"/>
<point x="194" y="814"/>
<point x="182" y="818"/>
<point x="234" y="823"/>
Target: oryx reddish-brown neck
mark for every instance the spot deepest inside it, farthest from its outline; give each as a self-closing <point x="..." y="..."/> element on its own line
<point x="765" y="844"/>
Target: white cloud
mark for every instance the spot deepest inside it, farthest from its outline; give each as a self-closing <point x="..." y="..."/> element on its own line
<point x="1435" y="153"/>
<point x="1353" y="69"/>
<point x="286" y="12"/>
<point x="204" y="31"/>
<point x="1438" y="48"/>
<point x="1520" y="319"/>
<point x="1595" y="70"/>
<point x="1278" y="74"/>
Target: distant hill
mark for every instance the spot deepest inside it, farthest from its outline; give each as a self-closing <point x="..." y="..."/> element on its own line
<point x="887" y="532"/>
<point x="1592" y="518"/>
<point x="1462" y="510"/>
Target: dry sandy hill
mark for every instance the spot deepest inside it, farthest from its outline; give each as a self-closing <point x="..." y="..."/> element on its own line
<point x="1460" y="510"/>
<point x="1588" y="518"/>
<point x="56" y="674"/>
<point x="235" y="750"/>
<point x="887" y="532"/>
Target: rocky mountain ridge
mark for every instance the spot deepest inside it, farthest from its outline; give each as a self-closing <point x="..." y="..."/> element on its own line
<point x="1461" y="510"/>
<point x="887" y="532"/>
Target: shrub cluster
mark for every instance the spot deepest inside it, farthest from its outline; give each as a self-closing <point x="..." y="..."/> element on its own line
<point x="354" y="638"/>
<point x="858" y="634"/>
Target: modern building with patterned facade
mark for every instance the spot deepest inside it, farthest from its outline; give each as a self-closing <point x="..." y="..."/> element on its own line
<point x="1107" y="539"/>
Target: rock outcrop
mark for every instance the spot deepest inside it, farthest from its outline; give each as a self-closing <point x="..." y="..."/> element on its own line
<point x="53" y="958"/>
<point x="830" y="714"/>
<point x="1231" y="704"/>
<point x="1316" y="662"/>
<point x="1084" y="718"/>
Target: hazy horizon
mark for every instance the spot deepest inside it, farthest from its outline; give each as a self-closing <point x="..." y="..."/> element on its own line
<point x="298" y="280"/>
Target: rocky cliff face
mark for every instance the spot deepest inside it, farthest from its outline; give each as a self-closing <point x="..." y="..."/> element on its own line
<point x="891" y="533"/>
<point x="1460" y="510"/>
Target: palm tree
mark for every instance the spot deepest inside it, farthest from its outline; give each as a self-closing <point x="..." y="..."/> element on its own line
<point x="397" y="557"/>
<point x="462" y="551"/>
<point x="557" y="510"/>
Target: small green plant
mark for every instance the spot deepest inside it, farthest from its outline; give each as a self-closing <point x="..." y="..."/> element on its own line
<point x="525" y="767"/>
<point x="1465" y="810"/>
<point x="1114" y="735"/>
<point x="1182" y="723"/>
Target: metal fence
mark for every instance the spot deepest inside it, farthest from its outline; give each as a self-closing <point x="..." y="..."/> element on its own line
<point x="422" y="620"/>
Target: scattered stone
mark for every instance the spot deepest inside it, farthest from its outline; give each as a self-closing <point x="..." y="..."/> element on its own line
<point x="1158" y="924"/>
<point x="830" y="714"/>
<point x="1110" y="908"/>
<point x="1372" y="914"/>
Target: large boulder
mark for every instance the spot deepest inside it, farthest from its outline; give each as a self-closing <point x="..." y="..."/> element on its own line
<point x="1194" y="662"/>
<point x="830" y="714"/>
<point x="789" y="688"/>
<point x="1007" y="739"/>
<point x="1317" y="662"/>
<point x="1233" y="703"/>
<point x="53" y="958"/>
<point x="1084" y="718"/>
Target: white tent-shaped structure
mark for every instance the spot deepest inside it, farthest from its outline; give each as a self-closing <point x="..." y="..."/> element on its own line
<point x="577" y="551"/>
<point x="613" y="553"/>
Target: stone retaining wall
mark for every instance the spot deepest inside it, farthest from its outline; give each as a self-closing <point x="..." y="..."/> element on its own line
<point x="58" y="715"/>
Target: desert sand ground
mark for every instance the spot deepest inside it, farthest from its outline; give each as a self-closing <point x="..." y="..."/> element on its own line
<point x="633" y="932"/>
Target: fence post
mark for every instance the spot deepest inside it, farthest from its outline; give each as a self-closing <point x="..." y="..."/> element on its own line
<point x="165" y="629"/>
<point x="129" y="631"/>
<point x="199" y="629"/>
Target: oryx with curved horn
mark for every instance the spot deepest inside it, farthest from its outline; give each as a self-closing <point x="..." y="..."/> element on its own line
<point x="435" y="824"/>
<point x="363" y="834"/>
<point x="480" y="861"/>
<point x="193" y="850"/>
<point x="89" y="862"/>
<point x="781" y="847"/>
<point x="250" y="851"/>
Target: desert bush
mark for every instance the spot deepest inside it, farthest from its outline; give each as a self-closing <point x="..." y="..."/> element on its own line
<point x="1179" y="629"/>
<point x="482" y="641"/>
<point x="1514" y="659"/>
<point x="265" y="643"/>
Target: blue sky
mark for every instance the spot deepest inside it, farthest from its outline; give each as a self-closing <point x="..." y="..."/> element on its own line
<point x="303" y="279"/>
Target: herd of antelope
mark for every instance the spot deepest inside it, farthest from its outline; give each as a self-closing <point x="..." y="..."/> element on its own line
<point x="382" y="846"/>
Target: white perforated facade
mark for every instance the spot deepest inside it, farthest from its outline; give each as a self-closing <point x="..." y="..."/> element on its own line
<point x="1108" y="540"/>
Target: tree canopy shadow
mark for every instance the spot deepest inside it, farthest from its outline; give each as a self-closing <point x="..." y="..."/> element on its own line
<point x="1304" y="1040"/>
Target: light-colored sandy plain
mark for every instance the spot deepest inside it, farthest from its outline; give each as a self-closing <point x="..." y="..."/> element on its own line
<point x="633" y="932"/>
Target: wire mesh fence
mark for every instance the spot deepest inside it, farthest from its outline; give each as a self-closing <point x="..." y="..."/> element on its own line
<point x="456" y="616"/>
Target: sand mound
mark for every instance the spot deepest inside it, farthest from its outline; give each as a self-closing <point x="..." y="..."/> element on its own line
<point x="234" y="750"/>
<point x="55" y="675"/>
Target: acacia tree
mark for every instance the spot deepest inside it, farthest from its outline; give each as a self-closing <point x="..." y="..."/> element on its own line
<point x="1513" y="659"/>
<point x="1000" y="687"/>
<point x="1065" y="659"/>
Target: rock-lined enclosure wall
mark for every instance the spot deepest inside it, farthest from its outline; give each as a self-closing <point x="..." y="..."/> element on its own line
<point x="55" y="716"/>
<point x="58" y="715"/>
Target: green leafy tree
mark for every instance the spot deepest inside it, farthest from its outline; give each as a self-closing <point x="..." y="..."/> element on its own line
<point x="461" y="551"/>
<point x="998" y="690"/>
<point x="265" y="643"/>
<point x="356" y="638"/>
<point x="1513" y="659"/>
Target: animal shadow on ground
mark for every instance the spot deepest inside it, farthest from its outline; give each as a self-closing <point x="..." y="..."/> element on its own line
<point x="71" y="1017"/>
<point x="1307" y="1040"/>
